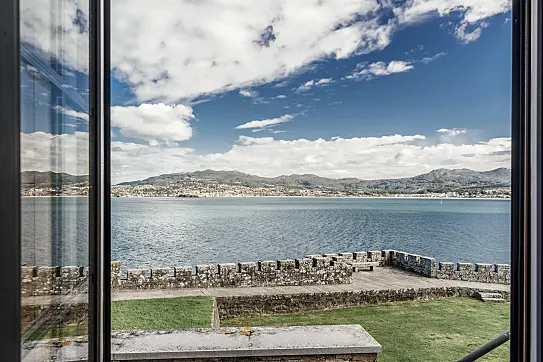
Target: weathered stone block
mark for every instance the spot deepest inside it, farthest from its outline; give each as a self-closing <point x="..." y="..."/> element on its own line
<point x="69" y="279"/>
<point x="347" y="256"/>
<point x="339" y="258"/>
<point x="182" y="271"/>
<point x="247" y="267"/>
<point x="160" y="278"/>
<point x="375" y="255"/>
<point x="205" y="269"/>
<point x="446" y="267"/>
<point x="361" y="256"/>
<point x="503" y="269"/>
<point x="227" y="269"/>
<point x="320" y="262"/>
<point x="267" y="266"/>
<point x="464" y="267"/>
<point x="137" y="278"/>
<point x="304" y="264"/>
<point x="115" y="276"/>
<point x="27" y="280"/>
<point x="483" y="268"/>
<point x="287" y="265"/>
<point x="428" y="266"/>
<point x="46" y="280"/>
<point x="389" y="256"/>
<point x="183" y="277"/>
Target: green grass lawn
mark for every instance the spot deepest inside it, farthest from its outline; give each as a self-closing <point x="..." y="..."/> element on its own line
<point x="440" y="330"/>
<point x="187" y="312"/>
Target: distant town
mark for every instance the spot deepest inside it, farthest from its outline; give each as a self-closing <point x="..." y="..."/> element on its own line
<point x="436" y="184"/>
<point x="232" y="191"/>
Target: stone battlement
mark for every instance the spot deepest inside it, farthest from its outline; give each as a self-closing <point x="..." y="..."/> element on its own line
<point x="312" y="270"/>
<point x="322" y="269"/>
<point x="423" y="265"/>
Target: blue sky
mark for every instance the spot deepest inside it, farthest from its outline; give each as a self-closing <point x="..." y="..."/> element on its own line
<point x="468" y="87"/>
<point x="368" y="90"/>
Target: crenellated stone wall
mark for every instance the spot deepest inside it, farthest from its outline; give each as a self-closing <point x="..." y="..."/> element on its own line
<point x="311" y="270"/>
<point x="322" y="269"/>
<point x="423" y="265"/>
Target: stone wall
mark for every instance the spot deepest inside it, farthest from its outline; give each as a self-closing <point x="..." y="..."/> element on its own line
<point x="312" y="270"/>
<point x="423" y="265"/>
<point x="294" y="303"/>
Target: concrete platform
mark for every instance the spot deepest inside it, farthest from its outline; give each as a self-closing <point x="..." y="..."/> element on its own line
<point x="222" y="342"/>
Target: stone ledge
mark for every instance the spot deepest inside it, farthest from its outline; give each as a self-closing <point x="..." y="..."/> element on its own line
<point x="243" y="342"/>
<point x="208" y="343"/>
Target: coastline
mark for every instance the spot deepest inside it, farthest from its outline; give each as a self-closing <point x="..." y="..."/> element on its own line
<point x="284" y="196"/>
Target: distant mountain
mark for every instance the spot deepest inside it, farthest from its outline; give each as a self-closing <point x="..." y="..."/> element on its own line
<point x="41" y="180"/>
<point x="440" y="180"/>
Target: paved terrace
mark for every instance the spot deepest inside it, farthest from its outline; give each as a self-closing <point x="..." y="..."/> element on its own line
<point x="382" y="278"/>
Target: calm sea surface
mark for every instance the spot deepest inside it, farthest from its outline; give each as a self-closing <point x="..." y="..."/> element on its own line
<point x="168" y="232"/>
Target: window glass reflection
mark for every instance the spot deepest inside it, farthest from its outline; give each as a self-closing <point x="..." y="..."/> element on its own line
<point x="55" y="168"/>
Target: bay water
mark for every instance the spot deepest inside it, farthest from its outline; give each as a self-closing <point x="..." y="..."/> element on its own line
<point x="169" y="232"/>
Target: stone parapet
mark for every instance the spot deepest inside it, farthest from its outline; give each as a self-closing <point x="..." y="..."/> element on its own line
<point x="423" y="265"/>
<point x="319" y="270"/>
<point x="316" y="269"/>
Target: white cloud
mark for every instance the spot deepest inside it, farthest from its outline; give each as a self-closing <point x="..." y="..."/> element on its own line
<point x="362" y="157"/>
<point x="41" y="23"/>
<point x="427" y="60"/>
<point x="207" y="47"/>
<point x="474" y="13"/>
<point x="281" y="96"/>
<point x="71" y="113"/>
<point x="153" y="122"/>
<point x="42" y="151"/>
<point x="265" y="123"/>
<point x="452" y="131"/>
<point x="365" y="71"/>
<point x="248" y="93"/>
<point x="313" y="83"/>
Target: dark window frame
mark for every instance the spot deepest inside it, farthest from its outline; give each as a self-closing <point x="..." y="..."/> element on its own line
<point x="10" y="182"/>
<point x="526" y="248"/>
<point x="526" y="245"/>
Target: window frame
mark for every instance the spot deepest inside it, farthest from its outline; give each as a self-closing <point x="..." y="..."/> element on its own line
<point x="10" y="182"/>
<point x="526" y="248"/>
<point x="526" y="245"/>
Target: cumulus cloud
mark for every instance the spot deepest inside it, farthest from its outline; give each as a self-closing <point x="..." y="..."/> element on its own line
<point x="365" y="71"/>
<point x="41" y="22"/>
<point x="281" y="96"/>
<point x="313" y="83"/>
<point x="42" y="151"/>
<point x="153" y="122"/>
<point x="207" y="47"/>
<point x="248" y="93"/>
<point x="361" y="157"/>
<point x="452" y="131"/>
<point x="71" y="113"/>
<point x="265" y="123"/>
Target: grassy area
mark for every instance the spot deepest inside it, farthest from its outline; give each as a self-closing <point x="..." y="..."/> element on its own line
<point x="441" y="330"/>
<point x="187" y="312"/>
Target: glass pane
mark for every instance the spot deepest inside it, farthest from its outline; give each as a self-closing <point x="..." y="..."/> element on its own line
<point x="55" y="168"/>
<point x="353" y="152"/>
